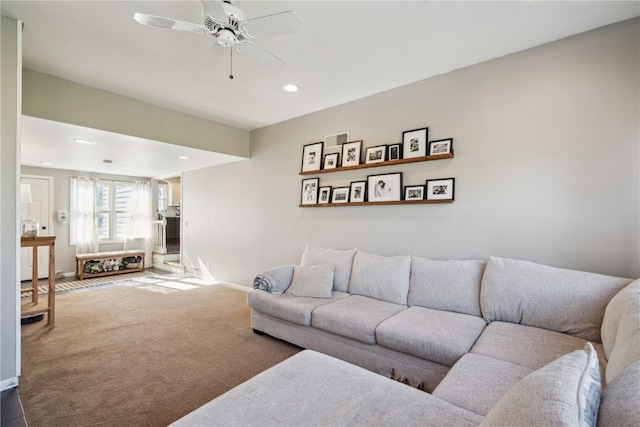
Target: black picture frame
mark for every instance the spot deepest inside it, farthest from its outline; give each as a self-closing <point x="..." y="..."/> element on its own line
<point x="340" y="195"/>
<point x="414" y="192"/>
<point x="440" y="189"/>
<point x="309" y="191"/>
<point x="384" y="187"/>
<point x="351" y="153"/>
<point x="377" y="154"/>
<point x="331" y="161"/>
<point x="324" y="195"/>
<point x="414" y="143"/>
<point x="311" y="157"/>
<point x="394" y="152"/>
<point x="358" y="192"/>
<point x="441" y="146"/>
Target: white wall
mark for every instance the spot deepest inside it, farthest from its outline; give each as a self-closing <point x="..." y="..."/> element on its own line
<point x="65" y="253"/>
<point x="11" y="85"/>
<point x="546" y="165"/>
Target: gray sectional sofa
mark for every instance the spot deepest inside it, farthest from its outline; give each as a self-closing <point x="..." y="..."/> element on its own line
<point x="502" y="342"/>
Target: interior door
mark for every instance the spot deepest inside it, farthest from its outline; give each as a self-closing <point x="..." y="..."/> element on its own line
<point x="40" y="210"/>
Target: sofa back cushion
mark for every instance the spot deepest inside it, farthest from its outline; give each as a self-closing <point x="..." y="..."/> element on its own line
<point x="621" y="330"/>
<point x="342" y="260"/>
<point x="446" y="285"/>
<point x="381" y="277"/>
<point x="566" y="392"/>
<point x="568" y="301"/>
<point x="621" y="399"/>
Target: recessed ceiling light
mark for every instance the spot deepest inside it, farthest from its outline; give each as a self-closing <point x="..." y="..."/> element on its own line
<point x="183" y="157"/>
<point x="46" y="163"/>
<point x="82" y="141"/>
<point x="290" y="88"/>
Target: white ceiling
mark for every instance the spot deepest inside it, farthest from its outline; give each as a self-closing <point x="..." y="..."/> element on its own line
<point x="347" y="50"/>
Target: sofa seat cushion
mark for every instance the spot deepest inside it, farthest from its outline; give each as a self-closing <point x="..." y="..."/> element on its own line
<point x="477" y="382"/>
<point x="287" y="307"/>
<point x="315" y="389"/>
<point x="525" y="345"/>
<point x="620" y="405"/>
<point x="435" y="335"/>
<point x="568" y="301"/>
<point x="446" y="285"/>
<point x="355" y="317"/>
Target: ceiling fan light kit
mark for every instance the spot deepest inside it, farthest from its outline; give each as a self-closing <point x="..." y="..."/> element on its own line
<point x="230" y="28"/>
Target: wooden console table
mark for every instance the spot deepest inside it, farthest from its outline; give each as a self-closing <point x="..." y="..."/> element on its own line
<point x="35" y="242"/>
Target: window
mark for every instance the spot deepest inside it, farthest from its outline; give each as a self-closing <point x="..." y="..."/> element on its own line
<point x="114" y="209"/>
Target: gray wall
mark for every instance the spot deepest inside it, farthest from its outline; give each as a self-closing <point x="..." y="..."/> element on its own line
<point x="546" y="165"/>
<point x="52" y="98"/>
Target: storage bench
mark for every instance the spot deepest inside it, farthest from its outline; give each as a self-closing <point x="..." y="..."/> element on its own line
<point x="108" y="263"/>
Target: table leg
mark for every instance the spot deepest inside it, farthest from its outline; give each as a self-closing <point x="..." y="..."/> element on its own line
<point x="34" y="276"/>
<point x="52" y="286"/>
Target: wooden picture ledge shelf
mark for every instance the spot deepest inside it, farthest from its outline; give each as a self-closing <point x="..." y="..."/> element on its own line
<point x="387" y="163"/>
<point x="395" y="202"/>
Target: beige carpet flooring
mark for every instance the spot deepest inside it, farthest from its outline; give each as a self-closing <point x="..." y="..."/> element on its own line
<point x="141" y="354"/>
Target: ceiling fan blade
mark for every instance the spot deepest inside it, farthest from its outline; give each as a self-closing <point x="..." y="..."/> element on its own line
<point x="214" y="9"/>
<point x="158" y="21"/>
<point x="263" y="57"/>
<point x="275" y="25"/>
<point x="210" y="56"/>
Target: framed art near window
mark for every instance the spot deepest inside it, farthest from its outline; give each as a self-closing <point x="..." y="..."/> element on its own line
<point x="351" y="153"/>
<point x="309" y="194"/>
<point x="312" y="157"/>
<point x="384" y="187"/>
<point x="414" y="143"/>
<point x="330" y="161"/>
<point x="324" y="196"/>
<point x="414" y="192"/>
<point x="340" y="195"/>
<point x="358" y="192"/>
<point x="442" y="146"/>
<point x="440" y="189"/>
<point x="375" y="154"/>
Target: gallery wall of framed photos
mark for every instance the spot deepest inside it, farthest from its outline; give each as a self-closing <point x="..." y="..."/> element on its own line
<point x="377" y="188"/>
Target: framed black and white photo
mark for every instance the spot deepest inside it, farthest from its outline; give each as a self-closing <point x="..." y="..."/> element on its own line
<point x="414" y="143"/>
<point x="331" y="161"/>
<point x="312" y="157"/>
<point x="414" y="192"/>
<point x="394" y="152"/>
<point x="340" y="195"/>
<point x="384" y="187"/>
<point x="351" y="153"/>
<point x="440" y="189"/>
<point x="324" y="196"/>
<point x="310" y="191"/>
<point x="358" y="192"/>
<point x="375" y="154"/>
<point x="441" y="146"/>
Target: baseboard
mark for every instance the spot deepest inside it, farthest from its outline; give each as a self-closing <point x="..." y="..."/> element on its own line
<point x="8" y="383"/>
<point x="236" y="286"/>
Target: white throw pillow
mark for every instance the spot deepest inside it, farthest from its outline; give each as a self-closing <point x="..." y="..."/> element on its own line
<point x="566" y="392"/>
<point x="312" y="281"/>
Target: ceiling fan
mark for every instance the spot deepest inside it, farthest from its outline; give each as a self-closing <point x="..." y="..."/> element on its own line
<point x="229" y="27"/>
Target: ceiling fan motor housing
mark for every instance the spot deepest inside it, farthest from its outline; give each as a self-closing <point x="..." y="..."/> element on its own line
<point x="226" y="38"/>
